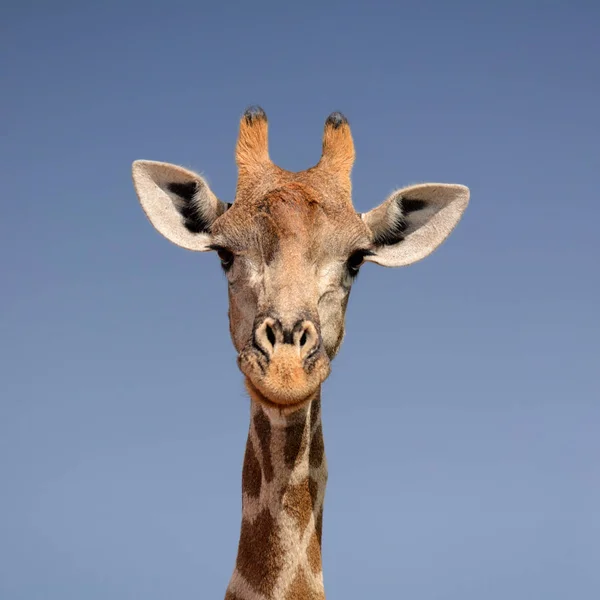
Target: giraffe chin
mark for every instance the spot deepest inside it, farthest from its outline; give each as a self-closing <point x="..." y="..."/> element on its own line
<point x="284" y="382"/>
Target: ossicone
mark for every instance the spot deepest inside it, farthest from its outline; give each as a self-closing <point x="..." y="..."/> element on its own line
<point x="338" y="146"/>
<point x="252" y="149"/>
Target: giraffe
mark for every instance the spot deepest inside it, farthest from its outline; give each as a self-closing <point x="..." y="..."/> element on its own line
<point x="291" y="245"/>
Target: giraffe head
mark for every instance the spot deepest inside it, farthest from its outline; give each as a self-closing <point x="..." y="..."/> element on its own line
<point x="291" y="245"/>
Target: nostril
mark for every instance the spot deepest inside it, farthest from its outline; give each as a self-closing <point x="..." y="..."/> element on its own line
<point x="306" y="338"/>
<point x="270" y="335"/>
<point x="303" y="339"/>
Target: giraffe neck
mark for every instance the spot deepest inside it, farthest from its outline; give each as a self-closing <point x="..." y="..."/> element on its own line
<point x="283" y="487"/>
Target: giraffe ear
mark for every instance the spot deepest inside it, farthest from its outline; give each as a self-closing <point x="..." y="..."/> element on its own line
<point x="177" y="202"/>
<point x="414" y="221"/>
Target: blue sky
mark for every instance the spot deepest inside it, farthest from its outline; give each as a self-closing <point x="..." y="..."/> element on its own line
<point x="461" y="419"/>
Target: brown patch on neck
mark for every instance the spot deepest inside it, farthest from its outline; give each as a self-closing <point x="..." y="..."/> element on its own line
<point x="313" y="553"/>
<point x="260" y="558"/>
<point x="296" y="439"/>
<point x="263" y="432"/>
<point x="298" y="501"/>
<point x="315" y="457"/>
<point x="319" y="525"/>
<point x="317" y="448"/>
<point x="251" y="473"/>
<point x="315" y="412"/>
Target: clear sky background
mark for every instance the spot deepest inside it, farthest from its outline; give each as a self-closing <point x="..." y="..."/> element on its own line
<point x="462" y="416"/>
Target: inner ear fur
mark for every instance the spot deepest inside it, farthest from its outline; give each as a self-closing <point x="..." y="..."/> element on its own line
<point x="178" y="203"/>
<point x="414" y="221"/>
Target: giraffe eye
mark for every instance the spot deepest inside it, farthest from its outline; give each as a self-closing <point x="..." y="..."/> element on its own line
<point x="355" y="261"/>
<point x="226" y="258"/>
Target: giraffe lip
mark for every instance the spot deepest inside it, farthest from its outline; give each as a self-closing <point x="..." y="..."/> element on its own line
<point x="287" y="406"/>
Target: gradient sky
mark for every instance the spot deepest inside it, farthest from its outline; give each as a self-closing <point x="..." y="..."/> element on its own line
<point x="462" y="416"/>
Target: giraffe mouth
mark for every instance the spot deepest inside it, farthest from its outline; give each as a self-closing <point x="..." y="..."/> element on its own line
<point x="283" y="379"/>
<point x="284" y="408"/>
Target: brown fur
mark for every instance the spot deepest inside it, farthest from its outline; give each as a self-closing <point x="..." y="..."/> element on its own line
<point x="260" y="558"/>
<point x="298" y="502"/>
<point x="319" y="525"/>
<point x="251" y="473"/>
<point x="314" y="552"/>
<point x="317" y="449"/>
<point x="295" y="442"/>
<point x="263" y="432"/>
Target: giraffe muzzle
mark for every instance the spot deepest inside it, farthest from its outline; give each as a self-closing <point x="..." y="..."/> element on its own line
<point x="286" y="365"/>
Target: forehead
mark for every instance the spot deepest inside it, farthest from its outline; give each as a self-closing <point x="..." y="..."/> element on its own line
<point x="294" y="215"/>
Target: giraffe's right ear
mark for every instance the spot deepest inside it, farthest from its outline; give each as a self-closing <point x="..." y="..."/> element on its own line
<point x="177" y="202"/>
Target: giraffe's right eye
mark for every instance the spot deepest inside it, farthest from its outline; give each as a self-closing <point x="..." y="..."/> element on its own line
<point x="226" y="258"/>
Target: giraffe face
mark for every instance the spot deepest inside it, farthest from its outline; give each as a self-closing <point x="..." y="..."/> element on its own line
<point x="291" y="245"/>
<point x="290" y="262"/>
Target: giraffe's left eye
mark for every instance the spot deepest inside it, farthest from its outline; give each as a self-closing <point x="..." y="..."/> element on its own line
<point x="355" y="261"/>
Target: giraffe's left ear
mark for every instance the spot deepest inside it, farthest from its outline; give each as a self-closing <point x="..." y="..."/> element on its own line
<point x="177" y="202"/>
<point x="414" y="221"/>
